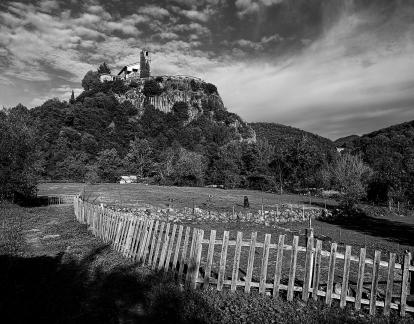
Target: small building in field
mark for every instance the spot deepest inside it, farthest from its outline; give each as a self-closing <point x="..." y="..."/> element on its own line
<point x="128" y="179"/>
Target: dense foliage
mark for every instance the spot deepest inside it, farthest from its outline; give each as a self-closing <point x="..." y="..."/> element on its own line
<point x="19" y="160"/>
<point x="390" y="153"/>
<point x="299" y="156"/>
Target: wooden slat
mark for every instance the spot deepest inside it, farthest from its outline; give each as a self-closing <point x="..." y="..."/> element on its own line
<point x="184" y="252"/>
<point x="250" y="262"/>
<point x="279" y="263"/>
<point x="292" y="269"/>
<point x="118" y="233"/>
<point x="143" y="249"/>
<point x="390" y="285"/>
<point x="153" y="242"/>
<point x="130" y="237"/>
<point x="331" y="273"/>
<point x="209" y="261"/>
<point x="345" y="277"/>
<point x="139" y="237"/>
<point x="374" y="287"/>
<point x="405" y="283"/>
<point x="317" y="269"/>
<point x="223" y="260"/>
<point x="177" y="247"/>
<point x="170" y="248"/>
<point x="360" y="280"/>
<point x="265" y="261"/>
<point x="157" y="247"/>
<point x="191" y="256"/>
<point x="163" y="253"/>
<point x="197" y="258"/>
<point x="308" y="268"/>
<point x="236" y="262"/>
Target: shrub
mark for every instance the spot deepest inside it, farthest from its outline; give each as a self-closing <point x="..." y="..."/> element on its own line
<point x="151" y="88"/>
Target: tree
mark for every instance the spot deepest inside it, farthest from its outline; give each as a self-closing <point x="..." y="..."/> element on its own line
<point x="104" y="69"/>
<point x="139" y="157"/>
<point x="20" y="163"/>
<point x="151" y="88"/>
<point x="180" y="110"/>
<point x="189" y="168"/>
<point x="91" y="81"/>
<point x="72" y="98"/>
<point x="350" y="176"/>
<point x="210" y="88"/>
<point x="109" y="165"/>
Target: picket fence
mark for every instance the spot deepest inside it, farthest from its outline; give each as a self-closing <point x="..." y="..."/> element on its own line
<point x="58" y="199"/>
<point x="193" y="258"/>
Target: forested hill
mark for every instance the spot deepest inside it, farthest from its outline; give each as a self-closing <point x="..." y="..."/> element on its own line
<point x="285" y="136"/>
<point x="343" y="141"/>
<point x="390" y="152"/>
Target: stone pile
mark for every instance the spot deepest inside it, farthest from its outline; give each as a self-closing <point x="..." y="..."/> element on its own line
<point x="283" y="214"/>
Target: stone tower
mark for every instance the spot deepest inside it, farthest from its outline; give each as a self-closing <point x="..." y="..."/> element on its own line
<point x="144" y="64"/>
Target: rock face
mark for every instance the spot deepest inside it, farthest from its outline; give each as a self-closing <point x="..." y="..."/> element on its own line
<point x="162" y="92"/>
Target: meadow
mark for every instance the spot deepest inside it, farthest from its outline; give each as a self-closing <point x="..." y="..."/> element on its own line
<point x="377" y="229"/>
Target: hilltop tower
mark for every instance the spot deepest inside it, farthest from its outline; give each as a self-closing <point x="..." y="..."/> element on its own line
<point x="144" y="64"/>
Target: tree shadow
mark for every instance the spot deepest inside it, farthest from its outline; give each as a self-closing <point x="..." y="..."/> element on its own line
<point x="61" y="290"/>
<point x="394" y="231"/>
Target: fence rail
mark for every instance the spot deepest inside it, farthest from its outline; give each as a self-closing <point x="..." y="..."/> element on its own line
<point x="269" y="267"/>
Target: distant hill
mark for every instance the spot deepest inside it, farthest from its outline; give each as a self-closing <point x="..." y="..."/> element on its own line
<point x="280" y="135"/>
<point x="343" y="141"/>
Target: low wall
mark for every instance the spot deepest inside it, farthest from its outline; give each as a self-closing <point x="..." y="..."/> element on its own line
<point x="285" y="213"/>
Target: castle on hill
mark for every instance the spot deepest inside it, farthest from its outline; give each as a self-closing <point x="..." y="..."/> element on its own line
<point x="140" y="71"/>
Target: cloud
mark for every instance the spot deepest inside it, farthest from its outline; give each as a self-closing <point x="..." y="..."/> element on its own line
<point x="246" y="7"/>
<point x="154" y="11"/>
<point x="350" y="74"/>
<point x="63" y="92"/>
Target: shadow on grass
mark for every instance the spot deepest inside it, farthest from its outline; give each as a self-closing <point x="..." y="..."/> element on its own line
<point x="54" y="290"/>
<point x="390" y="230"/>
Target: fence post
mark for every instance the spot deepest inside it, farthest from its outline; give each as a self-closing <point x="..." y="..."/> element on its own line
<point x="308" y="267"/>
<point x="405" y="282"/>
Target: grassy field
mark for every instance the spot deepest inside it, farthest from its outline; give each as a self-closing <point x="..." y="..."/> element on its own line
<point x="379" y="229"/>
<point x="134" y="195"/>
<point x="53" y="271"/>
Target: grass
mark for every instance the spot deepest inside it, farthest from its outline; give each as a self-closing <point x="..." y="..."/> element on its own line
<point x="375" y="229"/>
<point x="138" y="195"/>
<point x="63" y="274"/>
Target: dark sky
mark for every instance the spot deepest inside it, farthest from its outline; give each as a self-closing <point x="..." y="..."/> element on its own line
<point x="333" y="67"/>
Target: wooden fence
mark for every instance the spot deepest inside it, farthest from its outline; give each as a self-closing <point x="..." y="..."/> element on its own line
<point x="59" y="199"/>
<point x="255" y="264"/>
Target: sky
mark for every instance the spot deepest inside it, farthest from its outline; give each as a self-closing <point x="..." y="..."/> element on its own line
<point x="332" y="67"/>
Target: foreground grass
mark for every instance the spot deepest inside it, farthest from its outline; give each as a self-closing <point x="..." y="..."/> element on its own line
<point x="59" y="273"/>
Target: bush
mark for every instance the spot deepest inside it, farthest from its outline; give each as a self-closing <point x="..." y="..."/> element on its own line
<point x="151" y="88"/>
